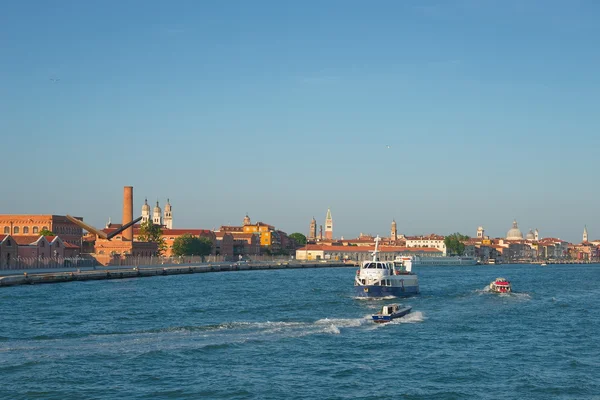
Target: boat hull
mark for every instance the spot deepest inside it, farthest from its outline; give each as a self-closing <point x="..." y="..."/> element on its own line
<point x="387" y="318"/>
<point x="384" y="291"/>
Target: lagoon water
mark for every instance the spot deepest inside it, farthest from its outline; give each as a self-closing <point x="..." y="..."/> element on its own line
<point x="300" y="334"/>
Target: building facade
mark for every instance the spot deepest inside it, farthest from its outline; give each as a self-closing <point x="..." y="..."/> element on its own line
<point x="31" y="224"/>
<point x="433" y="241"/>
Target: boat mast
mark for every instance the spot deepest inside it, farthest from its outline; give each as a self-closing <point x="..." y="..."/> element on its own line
<point x="377" y="239"/>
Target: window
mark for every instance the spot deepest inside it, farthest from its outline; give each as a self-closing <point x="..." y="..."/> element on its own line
<point x="6" y="230"/>
<point x="16" y="229"/>
<point x="36" y="229"/>
<point x="45" y="228"/>
<point x="25" y="229"/>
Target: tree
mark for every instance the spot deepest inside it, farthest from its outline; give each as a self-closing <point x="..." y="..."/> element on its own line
<point x="298" y="238"/>
<point x="152" y="233"/>
<point x="47" y="232"/>
<point x="187" y="245"/>
<point x="454" y="243"/>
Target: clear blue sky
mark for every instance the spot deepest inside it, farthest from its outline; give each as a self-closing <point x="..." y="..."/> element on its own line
<point x="282" y="109"/>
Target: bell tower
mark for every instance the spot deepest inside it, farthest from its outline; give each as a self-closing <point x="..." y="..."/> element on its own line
<point x="480" y="232"/>
<point x="168" y="216"/>
<point x="157" y="218"/>
<point x="312" y="231"/>
<point x="394" y="233"/>
<point x="145" y="212"/>
<point x="328" y="225"/>
<point x="585" y="234"/>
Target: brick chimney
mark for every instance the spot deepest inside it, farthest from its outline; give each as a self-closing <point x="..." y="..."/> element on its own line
<point x="128" y="212"/>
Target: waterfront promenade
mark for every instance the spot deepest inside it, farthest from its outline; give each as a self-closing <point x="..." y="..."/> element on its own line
<point x="15" y="277"/>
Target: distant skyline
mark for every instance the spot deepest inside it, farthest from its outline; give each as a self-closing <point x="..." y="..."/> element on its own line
<point x="443" y="115"/>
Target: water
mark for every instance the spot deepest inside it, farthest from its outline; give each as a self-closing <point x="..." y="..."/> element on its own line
<point x="300" y="334"/>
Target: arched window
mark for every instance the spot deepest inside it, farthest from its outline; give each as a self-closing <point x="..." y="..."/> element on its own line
<point x="25" y="229"/>
<point x="6" y="230"/>
<point x="36" y="229"/>
<point x="16" y="229"/>
<point x="45" y="228"/>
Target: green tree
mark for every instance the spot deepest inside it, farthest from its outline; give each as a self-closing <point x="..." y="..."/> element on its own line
<point x="299" y="238"/>
<point x="454" y="243"/>
<point x="187" y="245"/>
<point x="47" y="232"/>
<point x="152" y="233"/>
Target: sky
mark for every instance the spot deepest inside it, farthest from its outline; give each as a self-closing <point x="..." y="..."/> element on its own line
<point x="443" y="115"/>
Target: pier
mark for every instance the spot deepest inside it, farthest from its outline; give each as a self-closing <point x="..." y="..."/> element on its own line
<point x="27" y="278"/>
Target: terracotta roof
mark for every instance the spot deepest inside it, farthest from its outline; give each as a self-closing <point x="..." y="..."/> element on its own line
<point x="168" y="232"/>
<point x="51" y="239"/>
<point x="365" y="249"/>
<point x="24" y="240"/>
<point x="242" y="235"/>
<point x="184" y="231"/>
<point x="70" y="245"/>
<point x="223" y="234"/>
<point x="2" y="237"/>
<point x="228" y="228"/>
<point x="432" y="236"/>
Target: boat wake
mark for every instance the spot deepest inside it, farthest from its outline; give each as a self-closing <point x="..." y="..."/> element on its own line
<point x="410" y="318"/>
<point x="375" y="298"/>
<point x="514" y="295"/>
<point x="184" y="338"/>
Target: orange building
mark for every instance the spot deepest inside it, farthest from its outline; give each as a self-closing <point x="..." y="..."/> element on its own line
<point x="268" y="236"/>
<point x="31" y="224"/>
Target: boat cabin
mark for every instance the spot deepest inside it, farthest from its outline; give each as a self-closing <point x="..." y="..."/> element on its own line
<point x="389" y="309"/>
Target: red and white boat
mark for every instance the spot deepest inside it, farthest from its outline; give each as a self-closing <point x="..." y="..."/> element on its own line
<point x="500" y="285"/>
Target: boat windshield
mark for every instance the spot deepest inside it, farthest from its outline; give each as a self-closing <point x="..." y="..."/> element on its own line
<point x="376" y="265"/>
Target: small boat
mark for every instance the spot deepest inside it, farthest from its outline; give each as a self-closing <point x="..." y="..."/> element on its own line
<point x="390" y="312"/>
<point x="543" y="264"/>
<point x="500" y="285"/>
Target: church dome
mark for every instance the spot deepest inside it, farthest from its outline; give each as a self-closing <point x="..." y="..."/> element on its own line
<point x="247" y="220"/>
<point x="168" y="206"/>
<point x="530" y="235"/>
<point x="157" y="208"/>
<point x="146" y="207"/>
<point x="515" y="233"/>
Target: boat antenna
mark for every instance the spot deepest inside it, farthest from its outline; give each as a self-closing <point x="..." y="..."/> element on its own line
<point x="377" y="239"/>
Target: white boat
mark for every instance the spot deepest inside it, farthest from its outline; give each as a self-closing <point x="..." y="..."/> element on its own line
<point x="377" y="278"/>
<point x="419" y="261"/>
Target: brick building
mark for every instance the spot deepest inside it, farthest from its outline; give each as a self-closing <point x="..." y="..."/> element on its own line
<point x="8" y="251"/>
<point x="30" y="224"/>
<point x="169" y="235"/>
